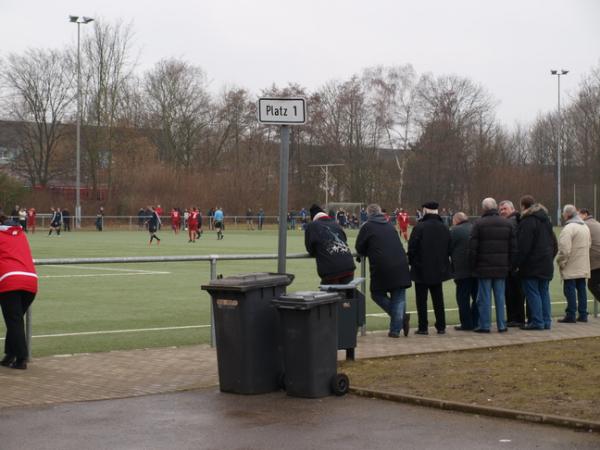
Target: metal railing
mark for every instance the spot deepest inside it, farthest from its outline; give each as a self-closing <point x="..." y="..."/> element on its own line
<point x="211" y="259"/>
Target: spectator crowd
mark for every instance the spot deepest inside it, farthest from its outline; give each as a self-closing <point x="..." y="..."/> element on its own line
<point x="506" y="254"/>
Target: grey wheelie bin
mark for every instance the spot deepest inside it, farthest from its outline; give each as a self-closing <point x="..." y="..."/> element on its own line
<point x="351" y="313"/>
<point x="309" y="337"/>
<point x="249" y="355"/>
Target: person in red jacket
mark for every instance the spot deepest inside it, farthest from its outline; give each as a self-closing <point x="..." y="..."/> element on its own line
<point x="18" y="286"/>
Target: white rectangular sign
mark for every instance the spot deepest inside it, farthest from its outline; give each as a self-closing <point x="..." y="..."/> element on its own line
<point x="282" y="111"/>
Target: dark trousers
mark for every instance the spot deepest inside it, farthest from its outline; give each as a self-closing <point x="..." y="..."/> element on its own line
<point x="437" y="298"/>
<point x="466" y="299"/>
<point x="515" y="300"/>
<point x="14" y="306"/>
<point x="594" y="284"/>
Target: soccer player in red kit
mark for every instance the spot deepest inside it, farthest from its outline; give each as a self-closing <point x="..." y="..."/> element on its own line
<point x="193" y="225"/>
<point x="175" y="220"/>
<point x="31" y="220"/>
<point x="402" y="219"/>
<point x="159" y="212"/>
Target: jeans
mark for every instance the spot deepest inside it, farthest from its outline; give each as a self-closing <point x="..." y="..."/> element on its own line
<point x="537" y="292"/>
<point x="393" y="304"/>
<point x="466" y="299"/>
<point x="484" y="302"/>
<point x="576" y="295"/>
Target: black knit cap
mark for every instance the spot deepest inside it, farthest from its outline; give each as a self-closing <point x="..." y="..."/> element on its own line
<point x="314" y="210"/>
<point x="430" y="205"/>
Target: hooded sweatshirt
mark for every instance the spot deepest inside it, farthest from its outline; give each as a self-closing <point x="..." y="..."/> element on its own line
<point x="17" y="272"/>
<point x="326" y="241"/>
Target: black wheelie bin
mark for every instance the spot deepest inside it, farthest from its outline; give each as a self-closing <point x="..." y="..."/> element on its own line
<point x="351" y="313"/>
<point x="309" y="337"/>
<point x="249" y="355"/>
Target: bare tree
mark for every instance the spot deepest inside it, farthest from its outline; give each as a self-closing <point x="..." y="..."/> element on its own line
<point x="392" y="93"/>
<point x="39" y="94"/>
<point x="107" y="68"/>
<point x="452" y="159"/>
<point x="179" y="107"/>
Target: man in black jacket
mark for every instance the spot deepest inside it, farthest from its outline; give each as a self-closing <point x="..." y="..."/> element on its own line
<point x="325" y="240"/>
<point x="428" y="255"/>
<point x="537" y="248"/>
<point x="466" y="283"/>
<point x="379" y="241"/>
<point x="515" y="301"/>
<point x="492" y="252"/>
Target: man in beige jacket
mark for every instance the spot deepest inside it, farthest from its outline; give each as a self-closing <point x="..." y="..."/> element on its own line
<point x="574" y="263"/>
<point x="594" y="226"/>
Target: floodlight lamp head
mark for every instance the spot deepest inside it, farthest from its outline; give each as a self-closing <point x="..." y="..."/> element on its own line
<point x="73" y="19"/>
<point x="564" y="72"/>
<point x="554" y="72"/>
<point x="87" y="19"/>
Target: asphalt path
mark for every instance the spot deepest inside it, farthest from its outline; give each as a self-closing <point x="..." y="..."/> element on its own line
<point x="208" y="419"/>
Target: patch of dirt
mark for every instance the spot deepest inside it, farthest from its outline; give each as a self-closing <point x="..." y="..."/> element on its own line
<point x="560" y="377"/>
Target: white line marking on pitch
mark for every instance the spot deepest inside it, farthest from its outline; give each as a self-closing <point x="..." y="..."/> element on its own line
<point x="103" y="275"/>
<point x="135" y="330"/>
<point x="111" y="269"/>
<point x="114" y="269"/>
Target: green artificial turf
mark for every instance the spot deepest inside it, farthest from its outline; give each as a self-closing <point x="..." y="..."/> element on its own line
<point x="107" y="297"/>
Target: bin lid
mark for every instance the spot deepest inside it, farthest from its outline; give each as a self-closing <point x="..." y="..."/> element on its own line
<point x="309" y="296"/>
<point x="247" y="281"/>
<point x="306" y="299"/>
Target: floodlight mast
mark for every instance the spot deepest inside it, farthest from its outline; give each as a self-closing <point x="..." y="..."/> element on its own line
<point x="558" y="74"/>
<point x="78" y="20"/>
<point x="325" y="170"/>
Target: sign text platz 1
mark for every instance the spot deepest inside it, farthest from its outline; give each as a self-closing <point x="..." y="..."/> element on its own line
<point x="282" y="111"/>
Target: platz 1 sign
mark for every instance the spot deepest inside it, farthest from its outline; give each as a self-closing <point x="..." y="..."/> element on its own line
<point x="282" y="111"/>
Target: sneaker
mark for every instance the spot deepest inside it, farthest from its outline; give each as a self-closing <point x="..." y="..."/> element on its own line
<point x="566" y="320"/>
<point x="421" y="332"/>
<point x="406" y="324"/>
<point x="442" y="331"/>
<point x="481" y="330"/>
<point x="582" y="319"/>
<point x="393" y="335"/>
<point x="461" y="328"/>
<point x="514" y="324"/>
<point x="502" y="330"/>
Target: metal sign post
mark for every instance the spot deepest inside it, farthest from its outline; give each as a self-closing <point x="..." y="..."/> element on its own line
<point x="283" y="112"/>
<point x="284" y="162"/>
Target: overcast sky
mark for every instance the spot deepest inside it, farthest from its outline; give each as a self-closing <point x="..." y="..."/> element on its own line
<point x="508" y="46"/>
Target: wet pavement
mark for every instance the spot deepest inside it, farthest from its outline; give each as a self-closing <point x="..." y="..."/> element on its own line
<point x="208" y="419"/>
<point x="99" y="376"/>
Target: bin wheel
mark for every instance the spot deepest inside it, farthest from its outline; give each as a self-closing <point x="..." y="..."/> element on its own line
<point x="282" y="380"/>
<point x="340" y="384"/>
